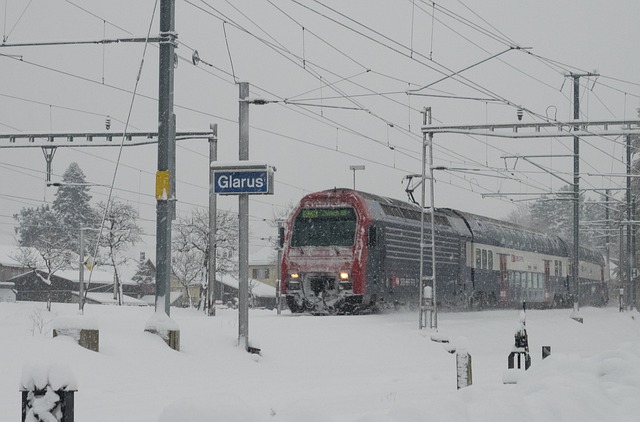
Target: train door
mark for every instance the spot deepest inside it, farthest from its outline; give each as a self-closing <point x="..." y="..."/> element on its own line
<point x="464" y="271"/>
<point x="547" y="280"/>
<point x="504" y="280"/>
<point x="375" y="262"/>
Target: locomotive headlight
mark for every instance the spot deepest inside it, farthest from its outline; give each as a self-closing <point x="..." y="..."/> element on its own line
<point x="344" y="275"/>
<point x="294" y="276"/>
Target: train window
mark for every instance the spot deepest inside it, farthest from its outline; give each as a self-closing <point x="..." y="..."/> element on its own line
<point x="411" y="214"/>
<point x="372" y="237"/>
<point x="490" y="260"/>
<point x="560" y="268"/>
<point x="530" y="280"/>
<point x="324" y="227"/>
<point x="478" y="259"/>
<point x="443" y="221"/>
<point x="484" y="258"/>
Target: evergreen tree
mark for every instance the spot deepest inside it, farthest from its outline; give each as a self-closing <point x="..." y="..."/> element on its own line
<point x="145" y="277"/>
<point x="145" y="273"/>
<point x="553" y="216"/>
<point x="73" y="207"/>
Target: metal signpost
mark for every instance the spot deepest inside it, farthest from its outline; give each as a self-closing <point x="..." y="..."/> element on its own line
<point x="243" y="178"/>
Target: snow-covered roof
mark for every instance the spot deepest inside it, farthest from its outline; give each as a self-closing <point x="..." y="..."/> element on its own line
<point x="263" y="256"/>
<point x="151" y="299"/>
<point x="257" y="288"/>
<point x="106" y="298"/>
<point x="7" y="254"/>
<point x="98" y="276"/>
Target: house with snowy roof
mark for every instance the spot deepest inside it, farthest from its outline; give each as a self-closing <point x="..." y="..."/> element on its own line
<point x="263" y="265"/>
<point x="261" y="295"/>
<point x="63" y="285"/>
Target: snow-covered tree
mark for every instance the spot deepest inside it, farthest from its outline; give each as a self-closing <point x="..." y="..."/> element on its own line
<point x="72" y="204"/>
<point x="145" y="273"/>
<point x="120" y="231"/>
<point x="521" y="216"/>
<point x="187" y="267"/>
<point x="280" y="216"/>
<point x="553" y="215"/>
<point x="192" y="233"/>
<point x="191" y="239"/>
<point x="145" y="277"/>
<point x="41" y="241"/>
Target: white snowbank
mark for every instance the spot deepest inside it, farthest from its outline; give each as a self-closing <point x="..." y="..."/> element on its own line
<point x="369" y="368"/>
<point x="161" y="323"/>
<point x="81" y="322"/>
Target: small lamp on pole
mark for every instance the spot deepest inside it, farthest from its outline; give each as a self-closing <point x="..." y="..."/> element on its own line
<point x="354" y="169"/>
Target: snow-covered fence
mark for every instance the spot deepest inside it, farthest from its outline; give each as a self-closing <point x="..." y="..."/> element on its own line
<point x="47" y="393"/>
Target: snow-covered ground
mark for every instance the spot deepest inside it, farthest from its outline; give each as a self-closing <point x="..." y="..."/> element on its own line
<point x="372" y="368"/>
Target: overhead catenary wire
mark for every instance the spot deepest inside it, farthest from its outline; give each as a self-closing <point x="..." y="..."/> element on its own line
<point x="126" y="128"/>
<point x="6" y="35"/>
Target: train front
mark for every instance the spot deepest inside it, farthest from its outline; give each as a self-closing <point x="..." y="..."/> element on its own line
<point x="324" y="256"/>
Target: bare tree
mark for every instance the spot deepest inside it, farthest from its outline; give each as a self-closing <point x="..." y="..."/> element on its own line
<point x="191" y="240"/>
<point x="187" y="268"/>
<point x="120" y="232"/>
<point x="192" y="233"/>
<point x="279" y="218"/>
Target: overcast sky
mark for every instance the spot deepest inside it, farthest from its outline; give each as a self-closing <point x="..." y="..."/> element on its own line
<point x="350" y="64"/>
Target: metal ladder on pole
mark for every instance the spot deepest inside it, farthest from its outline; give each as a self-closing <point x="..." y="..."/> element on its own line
<point x="428" y="299"/>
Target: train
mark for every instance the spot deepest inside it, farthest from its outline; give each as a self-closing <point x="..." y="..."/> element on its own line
<point x="348" y="251"/>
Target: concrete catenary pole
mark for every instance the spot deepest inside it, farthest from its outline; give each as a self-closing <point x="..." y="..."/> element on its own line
<point x="212" y="288"/>
<point x="630" y="256"/>
<point x="576" y="197"/>
<point x="81" y="273"/>
<point x="243" y="223"/>
<point x="166" y="155"/>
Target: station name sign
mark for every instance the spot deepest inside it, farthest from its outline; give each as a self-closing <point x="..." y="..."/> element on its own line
<point x="242" y="177"/>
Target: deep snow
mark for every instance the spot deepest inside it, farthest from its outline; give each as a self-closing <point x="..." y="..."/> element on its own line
<point x="371" y="368"/>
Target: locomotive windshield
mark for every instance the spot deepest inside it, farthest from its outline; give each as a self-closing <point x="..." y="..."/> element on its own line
<point x="324" y="227"/>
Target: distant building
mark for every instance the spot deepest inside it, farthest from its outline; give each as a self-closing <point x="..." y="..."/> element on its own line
<point x="263" y="265"/>
<point x="261" y="295"/>
<point x="7" y="292"/>
<point x="63" y="286"/>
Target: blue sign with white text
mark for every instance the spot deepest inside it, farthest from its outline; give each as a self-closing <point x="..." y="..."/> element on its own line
<point x="235" y="182"/>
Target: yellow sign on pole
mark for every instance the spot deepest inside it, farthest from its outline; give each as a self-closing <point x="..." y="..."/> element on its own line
<point x="162" y="185"/>
<point x="89" y="263"/>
